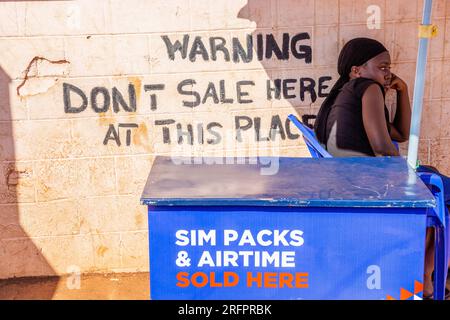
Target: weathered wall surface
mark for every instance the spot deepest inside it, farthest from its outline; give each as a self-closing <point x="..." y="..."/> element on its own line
<point x="92" y="91"/>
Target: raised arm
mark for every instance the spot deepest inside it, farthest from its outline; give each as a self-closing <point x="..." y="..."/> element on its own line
<point x="375" y="122"/>
<point x="402" y="120"/>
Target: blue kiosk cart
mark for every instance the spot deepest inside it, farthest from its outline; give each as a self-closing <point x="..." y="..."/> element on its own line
<point x="286" y="228"/>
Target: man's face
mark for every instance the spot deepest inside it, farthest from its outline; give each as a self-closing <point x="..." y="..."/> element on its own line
<point x="378" y="69"/>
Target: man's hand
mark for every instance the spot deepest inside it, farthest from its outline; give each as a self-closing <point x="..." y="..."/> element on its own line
<point x="397" y="84"/>
<point x="402" y="119"/>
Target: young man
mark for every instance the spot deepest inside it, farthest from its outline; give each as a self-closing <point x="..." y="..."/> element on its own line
<point x="353" y="121"/>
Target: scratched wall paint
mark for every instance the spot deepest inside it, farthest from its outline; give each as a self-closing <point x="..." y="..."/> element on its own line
<point x="93" y="92"/>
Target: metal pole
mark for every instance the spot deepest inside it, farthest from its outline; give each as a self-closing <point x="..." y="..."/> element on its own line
<point x="419" y="89"/>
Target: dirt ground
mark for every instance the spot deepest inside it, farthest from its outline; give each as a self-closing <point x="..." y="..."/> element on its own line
<point x="117" y="286"/>
<point x="114" y="286"/>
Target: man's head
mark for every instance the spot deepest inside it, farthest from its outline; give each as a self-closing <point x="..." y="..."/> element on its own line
<point x="360" y="57"/>
<point x="364" y="57"/>
<point x="378" y="69"/>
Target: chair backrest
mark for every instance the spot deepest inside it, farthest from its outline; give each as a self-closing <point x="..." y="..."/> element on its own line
<point x="396" y="145"/>
<point x="314" y="147"/>
<point x="436" y="186"/>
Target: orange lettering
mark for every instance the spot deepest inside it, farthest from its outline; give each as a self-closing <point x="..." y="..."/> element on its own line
<point x="270" y="280"/>
<point x="214" y="284"/>
<point x="226" y="279"/>
<point x="301" y="277"/>
<point x="286" y="278"/>
<point x="201" y="284"/>
<point x="181" y="277"/>
<point x="257" y="279"/>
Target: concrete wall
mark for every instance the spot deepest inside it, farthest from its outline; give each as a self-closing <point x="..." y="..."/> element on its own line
<point x="71" y="174"/>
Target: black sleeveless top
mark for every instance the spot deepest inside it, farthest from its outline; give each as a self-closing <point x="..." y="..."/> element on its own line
<point x="347" y="112"/>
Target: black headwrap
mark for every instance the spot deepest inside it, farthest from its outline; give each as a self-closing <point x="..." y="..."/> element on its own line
<point x="355" y="52"/>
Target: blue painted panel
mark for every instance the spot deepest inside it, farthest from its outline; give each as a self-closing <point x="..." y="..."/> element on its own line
<point x="273" y="181"/>
<point x="347" y="253"/>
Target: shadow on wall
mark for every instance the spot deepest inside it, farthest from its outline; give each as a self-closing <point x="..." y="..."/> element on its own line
<point x="308" y="89"/>
<point x="328" y="50"/>
<point x="18" y="254"/>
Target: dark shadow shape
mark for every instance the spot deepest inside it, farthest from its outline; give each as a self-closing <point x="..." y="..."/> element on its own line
<point x="249" y="12"/>
<point x="18" y="253"/>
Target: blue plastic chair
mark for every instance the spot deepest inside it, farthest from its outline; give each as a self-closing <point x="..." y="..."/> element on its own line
<point x="438" y="219"/>
<point x="395" y="144"/>
<point x="314" y="147"/>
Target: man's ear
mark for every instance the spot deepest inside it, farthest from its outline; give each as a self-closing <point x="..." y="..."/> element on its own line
<point x="355" y="72"/>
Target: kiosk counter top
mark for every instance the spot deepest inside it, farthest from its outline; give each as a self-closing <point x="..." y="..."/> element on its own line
<point x="286" y="228"/>
<point x="292" y="182"/>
